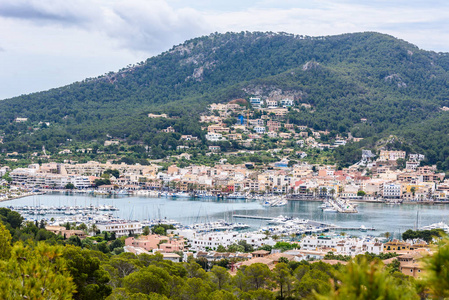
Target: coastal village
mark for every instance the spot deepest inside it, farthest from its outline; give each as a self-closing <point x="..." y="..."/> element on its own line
<point x="384" y="176"/>
<point x="385" y="183"/>
<point x="388" y="176"/>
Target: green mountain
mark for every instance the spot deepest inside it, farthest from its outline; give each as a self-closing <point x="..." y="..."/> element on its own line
<point x="397" y="87"/>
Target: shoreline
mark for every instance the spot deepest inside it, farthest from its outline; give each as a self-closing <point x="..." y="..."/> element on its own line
<point x="20" y="196"/>
<point x="293" y="199"/>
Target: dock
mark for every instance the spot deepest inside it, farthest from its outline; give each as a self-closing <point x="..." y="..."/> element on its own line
<point x="320" y="226"/>
<point x="354" y="228"/>
<point x="253" y="217"/>
<point x="305" y="198"/>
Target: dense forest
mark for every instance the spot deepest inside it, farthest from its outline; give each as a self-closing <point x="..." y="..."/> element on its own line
<point x="398" y="88"/>
<point x="37" y="264"/>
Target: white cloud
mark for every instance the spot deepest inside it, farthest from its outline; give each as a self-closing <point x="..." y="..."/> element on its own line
<point x="140" y="25"/>
<point x="151" y="25"/>
<point x="420" y="25"/>
<point x="156" y="25"/>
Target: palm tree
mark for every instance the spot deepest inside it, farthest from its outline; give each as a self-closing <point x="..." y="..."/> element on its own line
<point x="292" y="236"/>
<point x="324" y="191"/>
<point x="387" y="235"/>
<point x="267" y="233"/>
<point x="93" y="229"/>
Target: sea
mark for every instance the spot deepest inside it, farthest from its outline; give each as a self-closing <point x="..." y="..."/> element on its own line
<point x="394" y="219"/>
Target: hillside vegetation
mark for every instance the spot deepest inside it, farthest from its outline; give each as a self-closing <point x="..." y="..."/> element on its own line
<point x="38" y="264"/>
<point x="397" y="87"/>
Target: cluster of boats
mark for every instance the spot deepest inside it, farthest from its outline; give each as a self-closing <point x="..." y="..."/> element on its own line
<point x="293" y="227"/>
<point x="439" y="225"/>
<point x="338" y="206"/>
<point x="286" y="220"/>
<point x="267" y="201"/>
<point x="219" y="225"/>
<point x="62" y="210"/>
<point x="205" y="195"/>
<point x="275" y="201"/>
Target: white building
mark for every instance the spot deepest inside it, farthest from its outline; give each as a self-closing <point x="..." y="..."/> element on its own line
<point x="272" y="134"/>
<point x="214" y="137"/>
<point x="392" y="191"/>
<point x="259" y="129"/>
<point x="80" y="182"/>
<point x="417" y="157"/>
<point x="341" y="245"/>
<point x="3" y="170"/>
<point x="272" y="104"/>
<point x="255" y="102"/>
<point x="340" y="143"/>
<point x="314" y="242"/>
<point x="286" y="102"/>
<point x="211" y="240"/>
<point x="121" y="228"/>
<point x="412" y="165"/>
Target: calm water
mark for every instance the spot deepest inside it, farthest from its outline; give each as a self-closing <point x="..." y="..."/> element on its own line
<point x="392" y="218"/>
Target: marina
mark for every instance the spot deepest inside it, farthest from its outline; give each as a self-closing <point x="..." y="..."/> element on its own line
<point x="392" y="218"/>
<point x="62" y="210"/>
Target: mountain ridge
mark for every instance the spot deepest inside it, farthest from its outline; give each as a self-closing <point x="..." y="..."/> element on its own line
<point x="345" y="77"/>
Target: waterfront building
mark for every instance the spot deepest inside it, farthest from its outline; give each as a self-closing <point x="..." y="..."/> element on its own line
<point x="392" y="191"/>
<point x="211" y="240"/>
<point x="121" y="228"/>
<point x="341" y="245"/>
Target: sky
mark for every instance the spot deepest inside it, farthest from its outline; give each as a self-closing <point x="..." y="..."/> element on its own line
<point x="46" y="44"/>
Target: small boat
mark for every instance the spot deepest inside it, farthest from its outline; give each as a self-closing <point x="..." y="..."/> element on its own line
<point x="236" y="196"/>
<point x="330" y="210"/>
<point x="181" y="195"/>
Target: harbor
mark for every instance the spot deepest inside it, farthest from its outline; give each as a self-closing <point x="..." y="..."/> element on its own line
<point x="383" y="218"/>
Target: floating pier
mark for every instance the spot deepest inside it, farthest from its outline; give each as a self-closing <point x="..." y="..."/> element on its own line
<point x="253" y="217"/>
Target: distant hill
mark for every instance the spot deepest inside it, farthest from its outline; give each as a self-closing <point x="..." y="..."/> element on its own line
<point x="395" y="86"/>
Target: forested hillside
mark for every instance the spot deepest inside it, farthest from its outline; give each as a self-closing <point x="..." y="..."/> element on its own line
<point x="397" y="87"/>
<point x="38" y="264"/>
